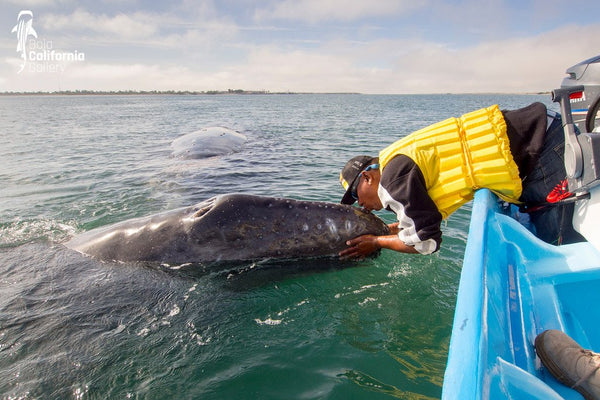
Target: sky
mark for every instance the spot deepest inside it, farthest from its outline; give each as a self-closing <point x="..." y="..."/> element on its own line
<point x="364" y="46"/>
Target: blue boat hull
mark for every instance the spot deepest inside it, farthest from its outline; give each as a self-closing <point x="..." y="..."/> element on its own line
<point x="513" y="286"/>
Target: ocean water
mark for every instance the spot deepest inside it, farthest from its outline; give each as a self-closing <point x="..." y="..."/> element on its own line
<point x="75" y="328"/>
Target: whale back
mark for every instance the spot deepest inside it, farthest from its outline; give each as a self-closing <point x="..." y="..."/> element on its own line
<point x="207" y="142"/>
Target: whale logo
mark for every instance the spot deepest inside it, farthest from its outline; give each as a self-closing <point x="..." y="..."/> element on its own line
<point x="23" y="29"/>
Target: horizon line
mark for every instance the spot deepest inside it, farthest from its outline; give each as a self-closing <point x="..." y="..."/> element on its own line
<point x="237" y="92"/>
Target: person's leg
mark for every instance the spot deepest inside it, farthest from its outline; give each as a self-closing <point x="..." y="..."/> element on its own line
<point x="553" y="225"/>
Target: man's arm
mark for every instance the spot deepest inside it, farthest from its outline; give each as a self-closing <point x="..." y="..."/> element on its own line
<point x="362" y="246"/>
<point x="403" y="190"/>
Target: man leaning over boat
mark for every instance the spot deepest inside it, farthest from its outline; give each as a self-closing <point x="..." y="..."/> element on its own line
<point x="427" y="175"/>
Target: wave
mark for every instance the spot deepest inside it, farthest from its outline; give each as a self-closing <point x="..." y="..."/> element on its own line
<point x="22" y="231"/>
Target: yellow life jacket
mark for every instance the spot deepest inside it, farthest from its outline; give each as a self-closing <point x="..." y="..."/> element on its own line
<point x="460" y="155"/>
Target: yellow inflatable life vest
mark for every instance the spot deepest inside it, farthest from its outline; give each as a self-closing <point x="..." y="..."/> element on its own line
<point x="460" y="155"/>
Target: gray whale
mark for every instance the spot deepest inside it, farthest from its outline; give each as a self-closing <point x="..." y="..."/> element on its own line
<point x="234" y="227"/>
<point x="207" y="142"/>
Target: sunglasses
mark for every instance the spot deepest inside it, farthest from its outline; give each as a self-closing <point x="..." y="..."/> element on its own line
<point x="354" y="192"/>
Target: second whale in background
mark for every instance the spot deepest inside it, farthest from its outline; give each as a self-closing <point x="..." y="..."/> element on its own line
<point x="207" y="142"/>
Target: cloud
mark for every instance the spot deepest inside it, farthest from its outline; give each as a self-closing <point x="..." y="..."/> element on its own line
<point x="137" y="25"/>
<point x="130" y="77"/>
<point x="277" y="69"/>
<point x="211" y="59"/>
<point x="528" y="64"/>
<point x="138" y="30"/>
<point x="335" y="10"/>
<point x="35" y="3"/>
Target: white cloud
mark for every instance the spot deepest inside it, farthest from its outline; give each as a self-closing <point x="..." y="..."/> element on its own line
<point x="327" y="10"/>
<point x="36" y="3"/>
<point x="137" y="25"/>
<point x="205" y="35"/>
<point x="297" y="70"/>
<point x="138" y="30"/>
<point x="514" y="65"/>
<point x="403" y="66"/>
<point x="528" y="64"/>
<point x="129" y="76"/>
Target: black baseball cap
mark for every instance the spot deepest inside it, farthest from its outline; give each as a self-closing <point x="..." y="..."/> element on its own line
<point x="349" y="177"/>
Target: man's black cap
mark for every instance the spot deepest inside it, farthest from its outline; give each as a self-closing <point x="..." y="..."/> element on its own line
<point x="350" y="174"/>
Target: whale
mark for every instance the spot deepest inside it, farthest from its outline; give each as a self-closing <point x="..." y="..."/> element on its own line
<point x="207" y="142"/>
<point x="232" y="227"/>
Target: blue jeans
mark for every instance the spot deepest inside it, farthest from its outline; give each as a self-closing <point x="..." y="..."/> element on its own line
<point x="553" y="225"/>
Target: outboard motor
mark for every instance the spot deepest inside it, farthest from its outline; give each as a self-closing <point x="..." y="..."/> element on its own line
<point x="585" y="104"/>
<point x="582" y="164"/>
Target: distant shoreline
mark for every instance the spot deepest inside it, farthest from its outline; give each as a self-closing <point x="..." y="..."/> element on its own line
<point x="221" y="92"/>
<point x="153" y="92"/>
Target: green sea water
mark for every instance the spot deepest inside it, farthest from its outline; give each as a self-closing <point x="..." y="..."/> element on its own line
<point x="72" y="327"/>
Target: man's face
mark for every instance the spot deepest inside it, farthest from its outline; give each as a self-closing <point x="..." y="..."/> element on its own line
<point x="367" y="191"/>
